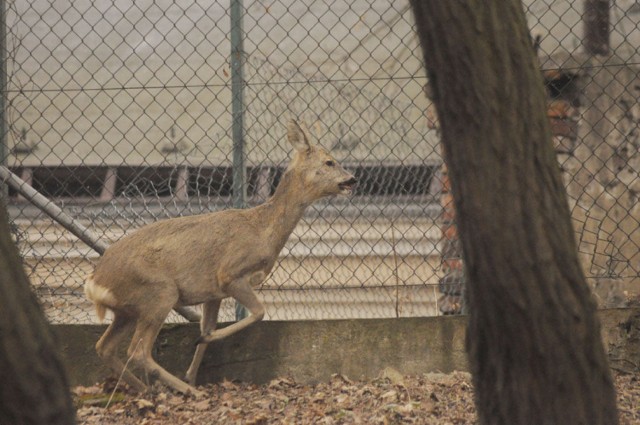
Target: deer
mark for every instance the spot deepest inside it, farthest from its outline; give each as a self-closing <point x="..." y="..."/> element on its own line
<point x="203" y="259"/>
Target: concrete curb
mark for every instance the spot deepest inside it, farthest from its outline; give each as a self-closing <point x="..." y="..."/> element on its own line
<point x="311" y="351"/>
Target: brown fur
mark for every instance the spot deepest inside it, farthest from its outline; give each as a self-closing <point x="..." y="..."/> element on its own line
<point x="203" y="259"/>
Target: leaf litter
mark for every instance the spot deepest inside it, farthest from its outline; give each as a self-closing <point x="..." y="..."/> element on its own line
<point x="433" y="398"/>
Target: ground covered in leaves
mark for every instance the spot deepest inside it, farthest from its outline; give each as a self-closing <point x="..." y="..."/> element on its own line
<point x="392" y="399"/>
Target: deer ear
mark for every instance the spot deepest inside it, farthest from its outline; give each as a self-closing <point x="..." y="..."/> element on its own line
<point x="297" y="136"/>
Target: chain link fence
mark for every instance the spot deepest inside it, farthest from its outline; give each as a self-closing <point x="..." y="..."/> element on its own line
<point x="124" y="113"/>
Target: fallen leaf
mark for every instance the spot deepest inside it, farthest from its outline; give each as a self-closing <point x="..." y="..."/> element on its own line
<point x="144" y="403"/>
<point x="341" y="398"/>
<point x="392" y="375"/>
<point x="391" y="394"/>
<point x="281" y="383"/>
<point x="80" y="390"/>
<point x="406" y="408"/>
<point x="201" y="405"/>
<point x="319" y="397"/>
<point x="259" y="419"/>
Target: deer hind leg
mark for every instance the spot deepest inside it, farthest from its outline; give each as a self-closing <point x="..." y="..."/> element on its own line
<point x="107" y="348"/>
<point x="207" y="325"/>
<point x="141" y="348"/>
<point x="241" y="290"/>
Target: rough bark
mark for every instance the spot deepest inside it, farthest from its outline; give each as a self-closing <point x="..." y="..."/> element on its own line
<point x="533" y="338"/>
<point x="33" y="385"/>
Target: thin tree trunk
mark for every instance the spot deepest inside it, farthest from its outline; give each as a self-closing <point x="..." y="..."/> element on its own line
<point x="533" y="338"/>
<point x="33" y="385"/>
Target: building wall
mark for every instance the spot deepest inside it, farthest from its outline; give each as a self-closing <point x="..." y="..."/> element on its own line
<point x="602" y="175"/>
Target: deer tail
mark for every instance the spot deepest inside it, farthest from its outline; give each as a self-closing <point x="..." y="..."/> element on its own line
<point x="101" y="297"/>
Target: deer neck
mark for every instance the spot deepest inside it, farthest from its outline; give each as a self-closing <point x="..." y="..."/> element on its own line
<point x="286" y="208"/>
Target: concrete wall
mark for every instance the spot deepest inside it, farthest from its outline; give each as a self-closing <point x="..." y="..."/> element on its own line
<point x="311" y="351"/>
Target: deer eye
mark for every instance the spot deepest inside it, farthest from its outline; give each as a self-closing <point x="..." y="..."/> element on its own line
<point x="330" y="163"/>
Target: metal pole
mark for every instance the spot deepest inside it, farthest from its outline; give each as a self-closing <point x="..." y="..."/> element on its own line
<point x="237" y="111"/>
<point x="237" y="104"/>
<point x="597" y="26"/>
<point x="4" y="131"/>
<point x="75" y="227"/>
<point x="51" y="209"/>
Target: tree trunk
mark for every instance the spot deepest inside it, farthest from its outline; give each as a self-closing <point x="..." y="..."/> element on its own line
<point x="33" y="385"/>
<point x="533" y="337"/>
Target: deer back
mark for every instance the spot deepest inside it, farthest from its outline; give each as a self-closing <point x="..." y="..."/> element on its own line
<point x="195" y="257"/>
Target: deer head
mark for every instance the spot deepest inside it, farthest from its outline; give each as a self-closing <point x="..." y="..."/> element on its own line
<point x="317" y="172"/>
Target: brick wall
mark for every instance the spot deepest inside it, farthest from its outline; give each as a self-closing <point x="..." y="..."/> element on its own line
<point x="594" y="116"/>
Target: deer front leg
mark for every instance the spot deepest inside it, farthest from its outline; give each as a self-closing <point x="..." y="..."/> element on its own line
<point x="207" y="325"/>
<point x="241" y="290"/>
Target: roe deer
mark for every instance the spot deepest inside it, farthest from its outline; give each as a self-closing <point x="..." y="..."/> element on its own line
<point x="201" y="260"/>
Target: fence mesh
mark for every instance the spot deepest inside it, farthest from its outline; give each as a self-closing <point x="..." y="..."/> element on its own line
<point x="121" y="113"/>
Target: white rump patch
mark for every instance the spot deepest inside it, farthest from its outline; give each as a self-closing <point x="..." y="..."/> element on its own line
<point x="102" y="297"/>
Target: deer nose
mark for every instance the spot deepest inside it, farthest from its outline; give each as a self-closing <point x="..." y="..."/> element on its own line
<point x="348" y="184"/>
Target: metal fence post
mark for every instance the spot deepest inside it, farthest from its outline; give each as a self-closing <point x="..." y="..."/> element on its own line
<point x="597" y="22"/>
<point x="237" y="111"/>
<point x="237" y="104"/>
<point x="4" y="190"/>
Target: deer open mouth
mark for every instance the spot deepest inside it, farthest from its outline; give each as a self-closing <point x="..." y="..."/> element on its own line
<point x="346" y="187"/>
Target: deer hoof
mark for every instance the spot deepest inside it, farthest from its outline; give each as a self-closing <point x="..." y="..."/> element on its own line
<point x="189" y="381"/>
